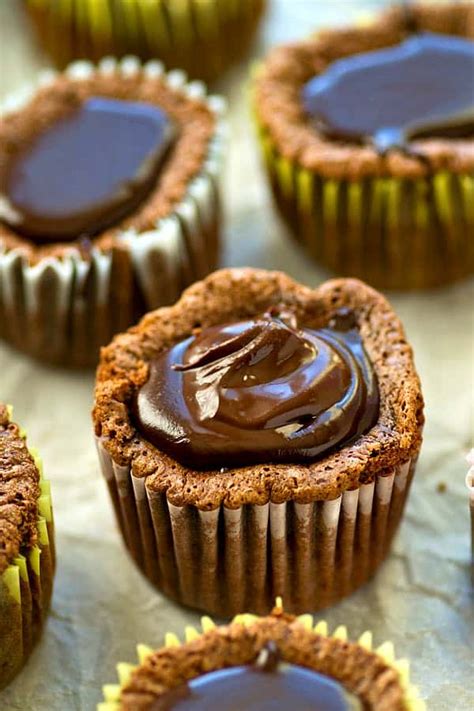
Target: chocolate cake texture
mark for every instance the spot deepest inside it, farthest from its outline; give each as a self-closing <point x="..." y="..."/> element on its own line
<point x="64" y="295"/>
<point x="232" y="538"/>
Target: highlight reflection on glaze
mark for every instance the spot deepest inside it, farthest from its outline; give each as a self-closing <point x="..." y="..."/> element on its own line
<point x="259" y="390"/>
<point x="86" y="171"/>
<point x="421" y="87"/>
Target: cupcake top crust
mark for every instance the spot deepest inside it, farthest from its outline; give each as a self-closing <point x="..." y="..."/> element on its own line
<point x="135" y="189"/>
<point x="19" y="492"/>
<point x="242" y="659"/>
<point x="236" y="295"/>
<point x="306" y="96"/>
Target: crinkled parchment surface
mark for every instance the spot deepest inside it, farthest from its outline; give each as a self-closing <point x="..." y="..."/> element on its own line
<point x="102" y="606"/>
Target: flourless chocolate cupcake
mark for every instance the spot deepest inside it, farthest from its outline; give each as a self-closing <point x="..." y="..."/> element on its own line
<point x="259" y="439"/>
<point x="276" y="662"/>
<point x="108" y="203"/>
<point x="202" y="37"/>
<point x="367" y="135"/>
<point x="27" y="556"/>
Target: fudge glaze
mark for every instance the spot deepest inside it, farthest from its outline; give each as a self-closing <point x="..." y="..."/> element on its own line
<point x="86" y="171"/>
<point x="419" y="88"/>
<point x="257" y="391"/>
<point x="268" y="684"/>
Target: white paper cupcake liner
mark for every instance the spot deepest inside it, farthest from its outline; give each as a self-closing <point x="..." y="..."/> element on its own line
<point x="226" y="560"/>
<point x="62" y="309"/>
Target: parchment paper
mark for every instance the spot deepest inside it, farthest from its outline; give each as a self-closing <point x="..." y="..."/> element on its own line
<point x="102" y="606"/>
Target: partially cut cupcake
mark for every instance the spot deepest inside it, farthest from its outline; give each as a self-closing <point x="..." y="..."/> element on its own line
<point x="276" y="662"/>
<point x="258" y="438"/>
<point x="27" y="554"/>
<point x="109" y="203"/>
<point x="367" y="138"/>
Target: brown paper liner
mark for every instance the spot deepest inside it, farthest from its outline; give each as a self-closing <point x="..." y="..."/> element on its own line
<point x="226" y="560"/>
<point x="203" y="38"/>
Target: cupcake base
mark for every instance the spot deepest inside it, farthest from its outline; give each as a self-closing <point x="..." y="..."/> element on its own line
<point x="226" y="560"/>
<point x="25" y="594"/>
<point x="395" y="233"/>
<point x="203" y="38"/>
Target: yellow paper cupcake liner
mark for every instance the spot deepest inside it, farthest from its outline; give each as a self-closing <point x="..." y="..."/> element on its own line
<point x="395" y="233"/>
<point x="413" y="702"/>
<point x="200" y="36"/>
<point x="26" y="587"/>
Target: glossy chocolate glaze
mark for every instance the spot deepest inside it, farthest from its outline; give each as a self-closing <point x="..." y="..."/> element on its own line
<point x="87" y="171"/>
<point x="419" y="88"/>
<point x="259" y="391"/>
<point x="267" y="685"/>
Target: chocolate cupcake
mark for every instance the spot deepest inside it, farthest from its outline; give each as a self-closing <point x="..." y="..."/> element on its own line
<point x="259" y="438"/>
<point x="203" y="38"/>
<point x="27" y="557"/>
<point x="278" y="662"/>
<point x="367" y="136"/>
<point x="108" y="203"/>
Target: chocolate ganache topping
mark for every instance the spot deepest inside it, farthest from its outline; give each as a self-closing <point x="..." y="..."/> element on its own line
<point x="267" y="685"/>
<point x="86" y="171"/>
<point x="258" y="391"/>
<point x="419" y="88"/>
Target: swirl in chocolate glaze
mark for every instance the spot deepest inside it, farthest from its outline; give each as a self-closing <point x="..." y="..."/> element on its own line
<point x="258" y="391"/>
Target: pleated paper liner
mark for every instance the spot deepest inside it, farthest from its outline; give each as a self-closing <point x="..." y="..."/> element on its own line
<point x="413" y="702"/>
<point x="62" y="309"/>
<point x="394" y="233"/>
<point x="25" y="591"/>
<point x="226" y="560"/>
<point x="203" y="37"/>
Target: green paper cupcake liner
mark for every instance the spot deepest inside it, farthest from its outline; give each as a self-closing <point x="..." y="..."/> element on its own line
<point x="394" y="233"/>
<point x="413" y="702"/>
<point x="26" y="589"/>
<point x="202" y="37"/>
<point x="225" y="560"/>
